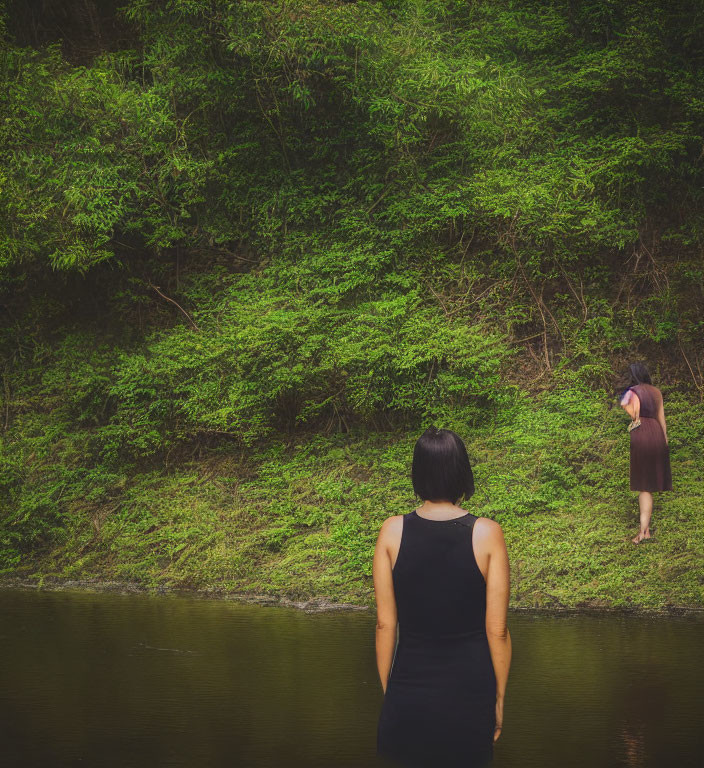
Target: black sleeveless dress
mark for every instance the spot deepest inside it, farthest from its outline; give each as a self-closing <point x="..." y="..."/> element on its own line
<point x="439" y="706"/>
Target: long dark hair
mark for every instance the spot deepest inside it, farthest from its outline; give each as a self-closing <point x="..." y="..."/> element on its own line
<point x="637" y="373"/>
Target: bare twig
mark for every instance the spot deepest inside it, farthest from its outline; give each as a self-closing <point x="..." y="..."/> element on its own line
<point x="579" y="296"/>
<point x="540" y="304"/>
<point x="378" y="200"/>
<point x="437" y="296"/>
<point x="699" y="387"/>
<point x="163" y="296"/>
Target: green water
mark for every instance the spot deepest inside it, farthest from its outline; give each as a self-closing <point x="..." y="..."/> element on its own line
<point x="138" y="681"/>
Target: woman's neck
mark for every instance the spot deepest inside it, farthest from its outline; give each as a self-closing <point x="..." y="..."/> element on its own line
<point x="439" y="509"/>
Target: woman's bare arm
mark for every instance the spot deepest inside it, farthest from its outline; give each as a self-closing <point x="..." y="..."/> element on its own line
<point x="491" y="538"/>
<point x="632" y="407"/>
<point x="661" y="420"/>
<point x="386" y="616"/>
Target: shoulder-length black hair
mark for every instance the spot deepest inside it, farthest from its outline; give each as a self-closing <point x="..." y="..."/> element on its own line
<point x="440" y="469"/>
<point x="637" y="373"/>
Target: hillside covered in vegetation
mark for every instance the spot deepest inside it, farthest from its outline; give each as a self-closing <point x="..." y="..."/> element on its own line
<point x="250" y="250"/>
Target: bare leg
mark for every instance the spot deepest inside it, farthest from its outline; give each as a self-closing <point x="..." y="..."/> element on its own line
<point x="645" y="502"/>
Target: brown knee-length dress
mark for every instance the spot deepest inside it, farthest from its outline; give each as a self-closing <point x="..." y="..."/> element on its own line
<point x="650" y="454"/>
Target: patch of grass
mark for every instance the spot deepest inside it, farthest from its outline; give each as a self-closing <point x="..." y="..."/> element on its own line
<point x="300" y="519"/>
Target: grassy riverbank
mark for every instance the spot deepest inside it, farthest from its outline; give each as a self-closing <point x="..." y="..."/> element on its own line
<point x="299" y="518"/>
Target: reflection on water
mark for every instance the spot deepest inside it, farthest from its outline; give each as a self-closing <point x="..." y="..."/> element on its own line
<point x="139" y="681"/>
<point x="646" y="701"/>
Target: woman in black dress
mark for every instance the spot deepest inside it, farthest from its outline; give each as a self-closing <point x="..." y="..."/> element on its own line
<point x="441" y="579"/>
<point x="650" y="453"/>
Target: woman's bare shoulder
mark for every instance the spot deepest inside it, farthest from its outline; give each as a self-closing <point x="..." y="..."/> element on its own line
<point x="488" y="530"/>
<point x="391" y="527"/>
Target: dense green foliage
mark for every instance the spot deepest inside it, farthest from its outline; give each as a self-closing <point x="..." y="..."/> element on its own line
<point x="249" y="249"/>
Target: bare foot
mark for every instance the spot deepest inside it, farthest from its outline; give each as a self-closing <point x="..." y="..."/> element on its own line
<point x="637" y="539"/>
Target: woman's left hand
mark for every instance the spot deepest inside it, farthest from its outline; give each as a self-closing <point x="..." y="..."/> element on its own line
<point x="499" y="718"/>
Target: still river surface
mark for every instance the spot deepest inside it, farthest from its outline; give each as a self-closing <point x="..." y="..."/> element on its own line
<point x="139" y="681"/>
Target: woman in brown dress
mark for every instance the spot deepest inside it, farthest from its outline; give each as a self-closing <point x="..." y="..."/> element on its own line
<point x="650" y="453"/>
